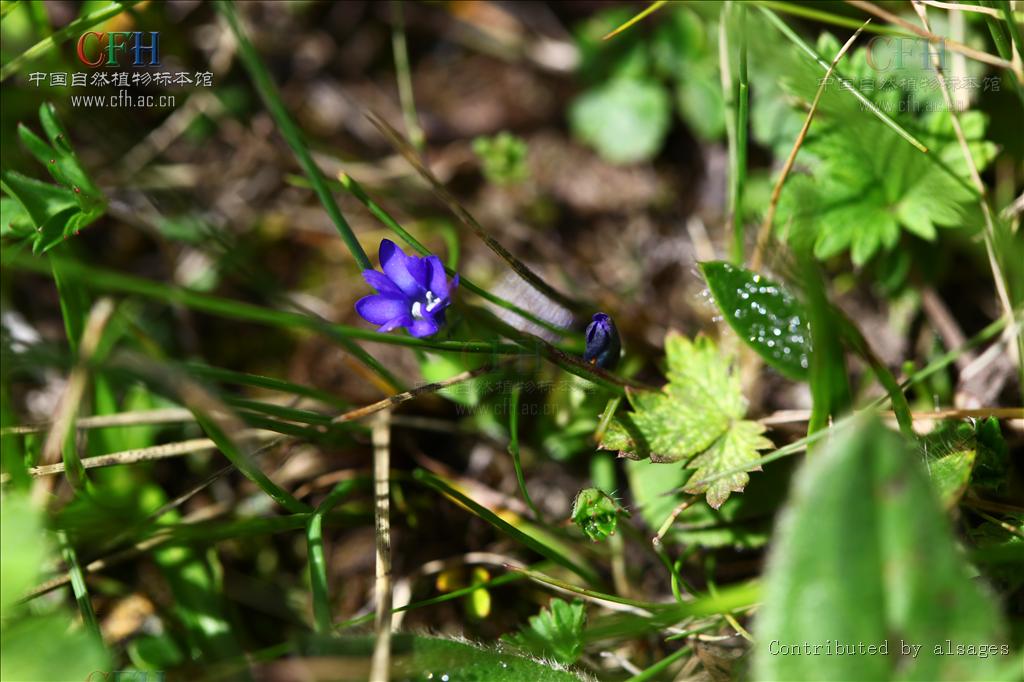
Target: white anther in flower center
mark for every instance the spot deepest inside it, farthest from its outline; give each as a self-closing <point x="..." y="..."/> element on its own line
<point x="432" y="301"/>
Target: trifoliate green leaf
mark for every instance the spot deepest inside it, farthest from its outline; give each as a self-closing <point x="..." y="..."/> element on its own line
<point x="696" y="419"/>
<point x="555" y="633"/>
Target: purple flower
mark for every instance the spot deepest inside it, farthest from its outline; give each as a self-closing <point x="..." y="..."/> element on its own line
<point x="603" y="346"/>
<point x="412" y="292"/>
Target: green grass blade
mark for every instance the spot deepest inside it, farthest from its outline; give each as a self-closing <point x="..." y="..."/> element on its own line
<point x="459" y="211"/>
<point x="661" y="666"/>
<point x="245" y="464"/>
<point x="447" y="596"/>
<point x="737" y="112"/>
<point x="75" y="28"/>
<point x="732" y="598"/>
<point x="265" y="382"/>
<point x="1002" y="42"/>
<point x="317" y="564"/>
<point x="807" y="11"/>
<point x="441" y="486"/>
<point x="637" y="18"/>
<point x="513" y="448"/>
<point x="1012" y="24"/>
<point x="291" y="133"/>
<point x="793" y="37"/>
<point x="107" y="280"/>
<point x="852" y="335"/>
<point x="78" y="586"/>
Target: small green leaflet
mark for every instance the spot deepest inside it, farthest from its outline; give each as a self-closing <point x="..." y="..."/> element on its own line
<point x="40" y="212"/>
<point x="596" y="513"/>
<point x="766" y="316"/>
<point x="696" y="419"/>
<point x="556" y="632"/>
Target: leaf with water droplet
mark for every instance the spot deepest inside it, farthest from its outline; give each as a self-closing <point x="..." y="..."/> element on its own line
<point x="766" y="316"/>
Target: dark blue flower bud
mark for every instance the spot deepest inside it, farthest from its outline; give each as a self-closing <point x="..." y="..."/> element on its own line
<point x="603" y="345"/>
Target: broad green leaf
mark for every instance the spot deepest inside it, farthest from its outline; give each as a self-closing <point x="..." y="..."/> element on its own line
<point x="555" y="633"/>
<point x="22" y="547"/>
<point x="43" y="649"/>
<point x="625" y="120"/>
<point x="35" y="647"/>
<point x="696" y="419"/>
<point x="864" y="556"/>
<point x="764" y="314"/>
<point x="416" y="657"/>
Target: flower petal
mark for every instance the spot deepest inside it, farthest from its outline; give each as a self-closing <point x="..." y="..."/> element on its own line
<point x="395" y="264"/>
<point x="419" y="269"/>
<point x="401" y="321"/>
<point x="438" y="279"/>
<point x="380" y="309"/>
<point x="382" y="284"/>
<point x="424" y="327"/>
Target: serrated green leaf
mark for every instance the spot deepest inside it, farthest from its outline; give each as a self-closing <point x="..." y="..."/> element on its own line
<point x="863" y="194"/>
<point x="766" y="316"/>
<point x="699" y="411"/>
<point x="556" y="632"/>
<point x="625" y="120"/>
<point x="865" y="556"/>
<point x="950" y="474"/>
<point x="738" y="446"/>
<point x="949" y="453"/>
